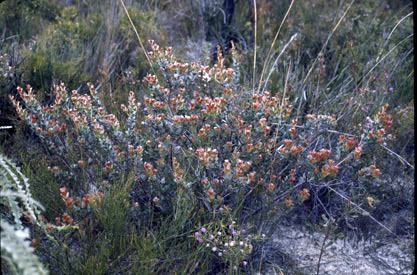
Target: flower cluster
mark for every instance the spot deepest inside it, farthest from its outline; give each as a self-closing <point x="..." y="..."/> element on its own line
<point x="370" y="171"/>
<point x="315" y="157"/>
<point x="229" y="244"/>
<point x="376" y="128"/>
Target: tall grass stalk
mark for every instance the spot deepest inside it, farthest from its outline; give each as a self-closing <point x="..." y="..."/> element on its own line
<point x="396" y="25"/>
<point x="328" y="39"/>
<point x="254" y="47"/>
<point x="136" y="32"/>
<point x="385" y="56"/>
<point x="272" y="46"/>
<point x="276" y="60"/>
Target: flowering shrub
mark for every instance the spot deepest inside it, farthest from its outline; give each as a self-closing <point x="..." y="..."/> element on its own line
<point x="197" y="132"/>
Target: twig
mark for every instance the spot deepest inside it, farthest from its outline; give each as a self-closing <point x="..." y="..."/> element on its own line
<point x="337" y="132"/>
<point x="398" y="156"/>
<point x="363" y="210"/>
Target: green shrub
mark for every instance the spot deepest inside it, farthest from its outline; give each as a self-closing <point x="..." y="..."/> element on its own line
<point x="202" y="136"/>
<point x="192" y="171"/>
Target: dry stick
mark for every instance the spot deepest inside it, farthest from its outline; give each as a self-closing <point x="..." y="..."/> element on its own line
<point x="254" y="47"/>
<point x="273" y="43"/>
<point x="399" y="157"/>
<point x="136" y="32"/>
<point x="276" y="266"/>
<point x="327" y="41"/>
<point x="322" y="245"/>
<point x="364" y="211"/>
<point x="337" y="132"/>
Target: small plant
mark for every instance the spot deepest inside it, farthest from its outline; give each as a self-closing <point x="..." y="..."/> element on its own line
<point x="225" y="241"/>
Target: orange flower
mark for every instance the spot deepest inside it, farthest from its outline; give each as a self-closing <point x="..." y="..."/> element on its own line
<point x="69" y="202"/>
<point x="334" y="170"/>
<point x="226" y="167"/>
<point x="293" y="132"/>
<point x="324" y="153"/>
<point x="294" y="150"/>
<point x="357" y="152"/>
<point x="210" y="194"/>
<point x="325" y="170"/>
<point x="310" y="117"/>
<point x="288" y="203"/>
<point x="376" y="172"/>
<point x="86" y="199"/>
<point x="251" y="176"/>
<point x="259" y="157"/>
<point x="67" y="218"/>
<point x="262" y="121"/>
<point x="204" y="181"/>
<point x="304" y="194"/>
<point x="148" y="168"/>
<point x="249" y="147"/>
<point x="371" y="201"/>
<point x="349" y="143"/>
<point x="63" y="191"/>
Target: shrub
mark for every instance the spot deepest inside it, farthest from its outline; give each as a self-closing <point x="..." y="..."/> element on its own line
<point x="200" y="134"/>
<point x="189" y="160"/>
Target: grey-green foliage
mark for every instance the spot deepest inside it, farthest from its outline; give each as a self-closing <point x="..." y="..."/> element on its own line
<point x="15" y="244"/>
<point x="16" y="250"/>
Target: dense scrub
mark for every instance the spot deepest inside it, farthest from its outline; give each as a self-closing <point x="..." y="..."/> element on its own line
<point x="159" y="159"/>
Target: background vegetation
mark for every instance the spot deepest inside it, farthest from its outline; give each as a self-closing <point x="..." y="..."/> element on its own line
<point x="341" y="58"/>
